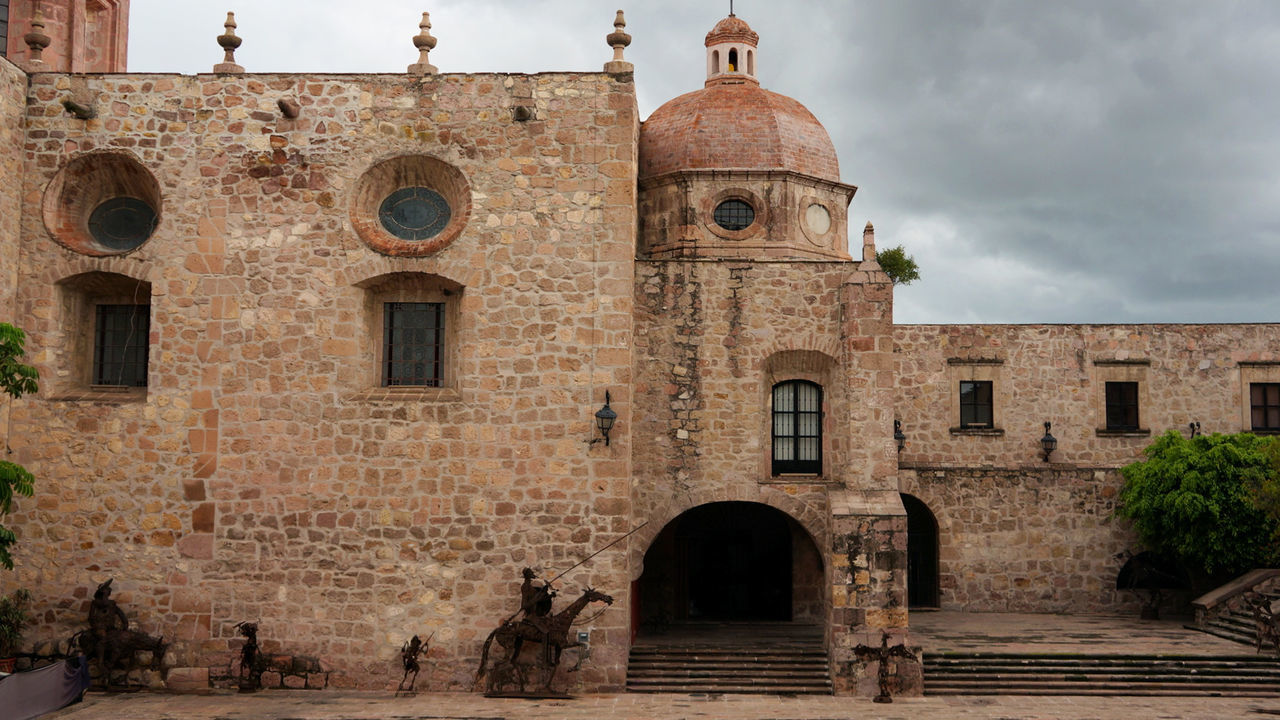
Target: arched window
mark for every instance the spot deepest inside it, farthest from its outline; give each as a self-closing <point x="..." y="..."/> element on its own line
<point x="733" y="61"/>
<point x="797" y="427"/>
<point x="715" y="62"/>
<point x="751" y="63"/>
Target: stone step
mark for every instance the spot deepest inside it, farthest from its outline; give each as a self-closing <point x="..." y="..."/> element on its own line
<point x="728" y="657"/>
<point x="1116" y="691"/>
<point x="725" y="669"/>
<point x="695" y="689"/>
<point x="1041" y="674"/>
<point x="819" y="673"/>
<point x="999" y="676"/>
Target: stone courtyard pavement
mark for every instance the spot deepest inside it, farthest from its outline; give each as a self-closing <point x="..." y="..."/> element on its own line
<point x="935" y="631"/>
<point x="332" y="705"/>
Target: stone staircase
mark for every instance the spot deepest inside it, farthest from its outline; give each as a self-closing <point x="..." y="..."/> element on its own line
<point x="756" y="658"/>
<point x="1237" y="624"/>
<point x="991" y="673"/>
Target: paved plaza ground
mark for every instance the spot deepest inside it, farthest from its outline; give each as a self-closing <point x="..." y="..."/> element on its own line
<point x="934" y="631"/>
<point x="326" y="705"/>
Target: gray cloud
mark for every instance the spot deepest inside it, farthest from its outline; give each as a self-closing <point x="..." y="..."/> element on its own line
<point x="1088" y="161"/>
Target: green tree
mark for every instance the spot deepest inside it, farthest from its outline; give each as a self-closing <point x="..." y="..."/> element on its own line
<point x="1195" y="500"/>
<point x="16" y="379"/>
<point x="900" y="266"/>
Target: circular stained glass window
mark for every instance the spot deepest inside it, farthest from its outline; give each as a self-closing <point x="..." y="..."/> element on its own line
<point x="414" y="213"/>
<point x="122" y="223"/>
<point x="734" y="215"/>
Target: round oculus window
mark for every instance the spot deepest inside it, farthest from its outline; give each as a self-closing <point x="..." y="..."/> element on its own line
<point x="734" y="215"/>
<point x="414" y="213"/>
<point x="122" y="223"/>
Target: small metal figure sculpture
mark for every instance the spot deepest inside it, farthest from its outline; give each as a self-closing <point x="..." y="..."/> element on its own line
<point x="882" y="654"/>
<point x="110" y="642"/>
<point x="1266" y="623"/>
<point x="409" y="653"/>
<point x="252" y="664"/>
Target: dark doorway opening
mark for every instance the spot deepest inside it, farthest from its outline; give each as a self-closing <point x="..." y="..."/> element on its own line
<point x="731" y="562"/>
<point x="922" y="554"/>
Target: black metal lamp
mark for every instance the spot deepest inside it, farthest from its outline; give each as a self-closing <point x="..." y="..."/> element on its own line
<point x="1195" y="428"/>
<point x="1048" y="442"/>
<point x="898" y="436"/>
<point x="605" y="418"/>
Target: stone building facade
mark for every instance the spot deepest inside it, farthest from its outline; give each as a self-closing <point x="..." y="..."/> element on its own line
<point x="326" y="352"/>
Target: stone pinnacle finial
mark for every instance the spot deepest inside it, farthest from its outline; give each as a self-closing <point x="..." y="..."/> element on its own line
<point x="425" y="44"/>
<point x="229" y="43"/>
<point x="618" y="40"/>
<point x="36" y="40"/>
<point x="868" y="243"/>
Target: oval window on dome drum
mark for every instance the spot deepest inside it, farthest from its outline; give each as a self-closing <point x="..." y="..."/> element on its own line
<point x="414" y="213"/>
<point x="122" y="223"/>
<point x="734" y="215"/>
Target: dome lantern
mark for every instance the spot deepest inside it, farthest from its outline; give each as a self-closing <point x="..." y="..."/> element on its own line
<point x="731" y="52"/>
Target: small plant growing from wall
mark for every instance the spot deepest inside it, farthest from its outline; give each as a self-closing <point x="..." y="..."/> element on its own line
<point x="16" y="379"/>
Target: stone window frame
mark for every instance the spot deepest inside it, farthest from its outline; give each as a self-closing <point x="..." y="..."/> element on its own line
<point x="411" y="287"/>
<point x="79" y="297"/>
<point x="990" y="370"/>
<point x="1250" y="373"/>
<point x="1114" y="371"/>
<point x="758" y="206"/>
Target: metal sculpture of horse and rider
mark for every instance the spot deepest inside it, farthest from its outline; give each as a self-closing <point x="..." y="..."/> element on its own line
<point x="535" y="637"/>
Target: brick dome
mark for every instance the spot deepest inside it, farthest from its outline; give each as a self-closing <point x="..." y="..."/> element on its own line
<point x="736" y="126"/>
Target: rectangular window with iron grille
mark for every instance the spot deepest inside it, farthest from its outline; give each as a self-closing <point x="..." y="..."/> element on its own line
<point x="797" y="428"/>
<point x="413" y="344"/>
<point x="1264" y="406"/>
<point x="975" y="404"/>
<point x="1122" y="405"/>
<point x="120" y="342"/>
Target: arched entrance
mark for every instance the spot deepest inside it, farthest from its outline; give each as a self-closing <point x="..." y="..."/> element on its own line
<point x="731" y="562"/>
<point x="922" y="554"/>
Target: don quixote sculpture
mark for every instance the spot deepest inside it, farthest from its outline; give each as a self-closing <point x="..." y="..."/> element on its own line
<point x="409" y="653"/>
<point x="252" y="663"/>
<point x="535" y="637"/>
<point x="109" y="642"/>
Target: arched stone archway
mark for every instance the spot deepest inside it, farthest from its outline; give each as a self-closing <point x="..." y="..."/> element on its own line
<point x="922" y="554"/>
<point x="728" y="562"/>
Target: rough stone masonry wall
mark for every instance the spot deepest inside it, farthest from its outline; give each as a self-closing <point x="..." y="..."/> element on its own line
<point x="715" y="337"/>
<point x="1057" y="373"/>
<point x="1019" y="534"/>
<point x="13" y="93"/>
<point x="1026" y="539"/>
<point x="262" y="476"/>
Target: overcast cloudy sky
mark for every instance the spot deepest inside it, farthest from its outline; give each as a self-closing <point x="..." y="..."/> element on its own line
<point x="1075" y="161"/>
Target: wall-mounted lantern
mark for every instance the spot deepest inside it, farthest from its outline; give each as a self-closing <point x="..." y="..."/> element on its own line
<point x="899" y="437"/>
<point x="605" y="417"/>
<point x="1048" y="442"/>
